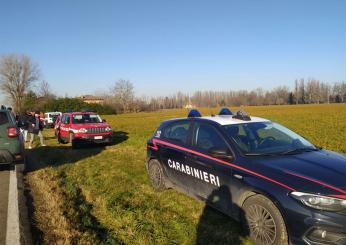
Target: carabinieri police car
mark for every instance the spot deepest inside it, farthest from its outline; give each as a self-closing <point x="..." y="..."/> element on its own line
<point x="283" y="188"/>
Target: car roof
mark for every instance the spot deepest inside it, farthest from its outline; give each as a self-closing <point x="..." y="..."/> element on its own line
<point x="229" y="120"/>
<point x="79" y="112"/>
<point x="221" y="120"/>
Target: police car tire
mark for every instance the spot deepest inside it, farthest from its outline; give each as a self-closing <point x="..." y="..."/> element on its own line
<point x="257" y="207"/>
<point x="156" y="175"/>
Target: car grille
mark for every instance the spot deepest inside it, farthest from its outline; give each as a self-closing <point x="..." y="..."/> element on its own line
<point x="95" y="130"/>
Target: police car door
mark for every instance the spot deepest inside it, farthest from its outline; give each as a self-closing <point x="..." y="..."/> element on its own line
<point x="212" y="178"/>
<point x="173" y="155"/>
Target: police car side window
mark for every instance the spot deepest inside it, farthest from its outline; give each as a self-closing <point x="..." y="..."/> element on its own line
<point x="177" y="132"/>
<point x="206" y="138"/>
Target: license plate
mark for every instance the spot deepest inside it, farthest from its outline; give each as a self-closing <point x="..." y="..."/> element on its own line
<point x="98" y="137"/>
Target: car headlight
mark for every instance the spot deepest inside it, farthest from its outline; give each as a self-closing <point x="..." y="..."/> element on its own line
<point x="82" y="130"/>
<point x="108" y="129"/>
<point x="320" y="202"/>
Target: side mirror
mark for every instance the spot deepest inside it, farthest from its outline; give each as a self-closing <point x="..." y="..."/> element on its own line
<point x="221" y="153"/>
<point x="104" y="120"/>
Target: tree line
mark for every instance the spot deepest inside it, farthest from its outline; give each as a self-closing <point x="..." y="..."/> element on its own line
<point x="19" y="81"/>
<point x="308" y="92"/>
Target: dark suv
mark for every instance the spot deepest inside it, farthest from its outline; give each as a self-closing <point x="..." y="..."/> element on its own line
<point x="11" y="142"/>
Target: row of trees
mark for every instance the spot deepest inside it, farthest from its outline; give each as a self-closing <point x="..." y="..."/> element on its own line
<point x="305" y="92"/>
<point x="75" y="104"/>
<point x="19" y="76"/>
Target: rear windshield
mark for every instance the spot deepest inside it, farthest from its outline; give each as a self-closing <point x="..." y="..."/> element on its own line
<point x="3" y="118"/>
<point x="86" y="118"/>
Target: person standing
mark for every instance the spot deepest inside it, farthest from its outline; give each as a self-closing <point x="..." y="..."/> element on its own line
<point x="36" y="128"/>
<point x="23" y="124"/>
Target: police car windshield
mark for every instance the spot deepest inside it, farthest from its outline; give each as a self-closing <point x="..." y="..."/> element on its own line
<point x="266" y="138"/>
<point x="86" y="118"/>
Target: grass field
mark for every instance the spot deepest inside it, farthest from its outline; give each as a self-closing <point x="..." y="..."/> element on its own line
<point x="102" y="195"/>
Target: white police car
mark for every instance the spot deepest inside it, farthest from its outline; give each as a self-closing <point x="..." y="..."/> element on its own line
<point x="283" y="188"/>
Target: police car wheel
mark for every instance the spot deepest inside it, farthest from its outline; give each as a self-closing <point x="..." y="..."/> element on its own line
<point x="263" y="222"/>
<point x="156" y="175"/>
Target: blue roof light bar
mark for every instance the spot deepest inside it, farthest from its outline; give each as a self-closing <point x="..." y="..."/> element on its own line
<point x="194" y="113"/>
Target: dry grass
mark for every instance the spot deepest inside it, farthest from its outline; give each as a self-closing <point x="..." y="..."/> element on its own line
<point x="49" y="214"/>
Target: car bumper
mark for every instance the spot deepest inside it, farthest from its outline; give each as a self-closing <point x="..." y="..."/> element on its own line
<point x="308" y="226"/>
<point x="6" y="157"/>
<point x="108" y="138"/>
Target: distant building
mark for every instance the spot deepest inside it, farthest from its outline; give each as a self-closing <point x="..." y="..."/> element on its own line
<point x="189" y="106"/>
<point x="91" y="99"/>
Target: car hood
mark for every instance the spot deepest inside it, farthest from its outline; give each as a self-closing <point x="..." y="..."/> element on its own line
<point x="322" y="171"/>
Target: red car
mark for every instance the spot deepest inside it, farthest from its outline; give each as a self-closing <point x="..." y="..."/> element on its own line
<point x="83" y="127"/>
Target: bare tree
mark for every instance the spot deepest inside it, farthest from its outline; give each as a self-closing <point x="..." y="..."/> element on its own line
<point x="124" y="94"/>
<point x="17" y="73"/>
<point x="302" y="91"/>
<point x="296" y="91"/>
<point x="44" y="90"/>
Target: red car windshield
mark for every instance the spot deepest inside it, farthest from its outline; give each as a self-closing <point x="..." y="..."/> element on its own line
<point x="85" y="118"/>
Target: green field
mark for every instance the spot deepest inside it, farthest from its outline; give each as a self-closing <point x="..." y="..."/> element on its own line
<point x="103" y="195"/>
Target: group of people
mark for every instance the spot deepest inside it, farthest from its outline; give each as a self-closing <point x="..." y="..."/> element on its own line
<point x="30" y="122"/>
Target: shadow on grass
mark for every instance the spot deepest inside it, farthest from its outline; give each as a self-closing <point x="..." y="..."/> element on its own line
<point x="78" y="210"/>
<point x="215" y="227"/>
<point x="119" y="136"/>
<point x="49" y="137"/>
<point x="42" y="157"/>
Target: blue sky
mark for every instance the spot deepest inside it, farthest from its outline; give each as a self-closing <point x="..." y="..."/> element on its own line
<point x="165" y="46"/>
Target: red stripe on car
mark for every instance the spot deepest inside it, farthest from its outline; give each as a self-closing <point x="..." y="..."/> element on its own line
<point x="317" y="182"/>
<point x="219" y="161"/>
<point x="339" y="196"/>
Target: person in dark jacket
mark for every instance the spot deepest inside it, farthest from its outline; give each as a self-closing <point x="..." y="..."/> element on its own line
<point x="36" y="128"/>
<point x="23" y="124"/>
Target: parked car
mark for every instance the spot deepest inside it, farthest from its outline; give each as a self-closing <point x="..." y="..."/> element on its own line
<point x="11" y="141"/>
<point x="283" y="188"/>
<point x="83" y="127"/>
<point x="50" y="117"/>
